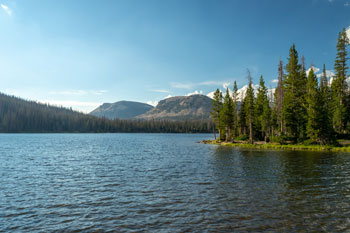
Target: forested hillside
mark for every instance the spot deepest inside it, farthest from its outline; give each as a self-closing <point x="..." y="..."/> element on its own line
<point x="21" y="116"/>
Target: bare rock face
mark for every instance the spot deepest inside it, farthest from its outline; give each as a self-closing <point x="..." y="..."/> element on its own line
<point x="121" y="110"/>
<point x="194" y="107"/>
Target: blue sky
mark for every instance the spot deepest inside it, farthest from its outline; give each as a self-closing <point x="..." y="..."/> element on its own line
<point x="84" y="53"/>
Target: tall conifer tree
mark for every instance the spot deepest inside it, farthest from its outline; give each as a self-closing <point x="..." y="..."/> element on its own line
<point x="227" y="114"/>
<point x="235" y="113"/>
<point x="339" y="85"/>
<point x="279" y="97"/>
<point x="249" y="107"/>
<point x="313" y="108"/>
<point x="293" y="110"/>
<point x="217" y="106"/>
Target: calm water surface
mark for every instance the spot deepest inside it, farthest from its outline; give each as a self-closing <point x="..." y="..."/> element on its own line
<point x="166" y="183"/>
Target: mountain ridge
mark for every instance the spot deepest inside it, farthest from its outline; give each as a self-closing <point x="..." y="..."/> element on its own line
<point x="121" y="109"/>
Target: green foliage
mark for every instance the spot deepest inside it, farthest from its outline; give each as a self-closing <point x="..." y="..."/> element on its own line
<point x="339" y="85"/>
<point x="217" y="106"/>
<point x="313" y="107"/>
<point x="250" y="107"/>
<point x="235" y="109"/>
<point x="226" y="115"/>
<point x="293" y="110"/>
<point x="262" y="111"/>
<point x="304" y="111"/>
<point x="20" y="116"/>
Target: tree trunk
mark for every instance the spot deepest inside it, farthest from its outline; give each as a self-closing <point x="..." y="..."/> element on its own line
<point x="214" y="130"/>
<point x="228" y="136"/>
<point x="250" y="132"/>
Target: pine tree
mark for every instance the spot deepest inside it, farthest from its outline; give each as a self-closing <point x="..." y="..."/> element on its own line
<point x="215" y="113"/>
<point x="279" y="97"/>
<point x="293" y="110"/>
<point x="313" y="109"/>
<point x="249" y="107"/>
<point x="325" y="115"/>
<point x="242" y="118"/>
<point x="227" y="115"/>
<point x="339" y="85"/>
<point x="263" y="112"/>
<point x="235" y="113"/>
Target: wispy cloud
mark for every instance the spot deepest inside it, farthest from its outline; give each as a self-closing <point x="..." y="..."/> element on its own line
<point x="347" y="4"/>
<point x="6" y="9"/>
<point x="275" y="81"/>
<point x="187" y="86"/>
<point x="78" y="92"/>
<point x="161" y="90"/>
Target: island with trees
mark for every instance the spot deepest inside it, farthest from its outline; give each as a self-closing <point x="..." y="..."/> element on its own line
<point x="303" y="113"/>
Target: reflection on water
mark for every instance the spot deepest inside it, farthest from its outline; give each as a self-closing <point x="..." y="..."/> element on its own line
<point x="157" y="182"/>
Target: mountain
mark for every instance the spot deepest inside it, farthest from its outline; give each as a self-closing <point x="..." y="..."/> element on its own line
<point x="193" y="107"/>
<point x="121" y="110"/>
<point x="242" y="91"/>
<point x="21" y="116"/>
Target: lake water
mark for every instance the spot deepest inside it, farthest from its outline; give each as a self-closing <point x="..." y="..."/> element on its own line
<point x="166" y="183"/>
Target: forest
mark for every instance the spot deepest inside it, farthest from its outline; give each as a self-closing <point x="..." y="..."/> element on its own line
<point x="302" y="109"/>
<point x="21" y="116"/>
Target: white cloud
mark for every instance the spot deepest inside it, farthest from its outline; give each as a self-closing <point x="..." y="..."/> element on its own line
<point x="181" y="85"/>
<point x="212" y="83"/>
<point x="6" y="9"/>
<point x="195" y="93"/>
<point x="78" y="92"/>
<point x="153" y="103"/>
<point x="348" y="28"/>
<point x="275" y="81"/>
<point x="161" y="91"/>
<point x="347" y="4"/>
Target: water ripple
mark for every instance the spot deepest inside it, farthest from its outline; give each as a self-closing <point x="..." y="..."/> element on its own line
<point x="166" y="183"/>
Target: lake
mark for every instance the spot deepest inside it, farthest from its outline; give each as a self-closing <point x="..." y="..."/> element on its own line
<point x="167" y="183"/>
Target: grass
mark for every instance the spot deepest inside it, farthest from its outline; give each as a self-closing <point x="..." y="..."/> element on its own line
<point x="281" y="147"/>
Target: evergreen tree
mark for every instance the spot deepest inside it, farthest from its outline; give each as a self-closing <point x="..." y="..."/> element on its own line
<point x="313" y="109"/>
<point x="325" y="114"/>
<point x="227" y="115"/>
<point x="242" y="118"/>
<point x="263" y="111"/>
<point x="249" y="107"/>
<point x="215" y="113"/>
<point x="339" y="85"/>
<point x="279" y="97"/>
<point x="235" y="113"/>
<point x="293" y="110"/>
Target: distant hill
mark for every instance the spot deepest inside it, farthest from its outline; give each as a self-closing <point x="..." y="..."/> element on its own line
<point x="21" y="116"/>
<point x="194" y="107"/>
<point x="121" y="110"/>
<point x="18" y="115"/>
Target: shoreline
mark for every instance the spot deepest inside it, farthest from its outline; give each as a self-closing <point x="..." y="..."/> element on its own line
<point x="276" y="146"/>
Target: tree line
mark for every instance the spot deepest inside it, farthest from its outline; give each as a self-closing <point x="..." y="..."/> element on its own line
<point x="21" y="116"/>
<point x="302" y="109"/>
